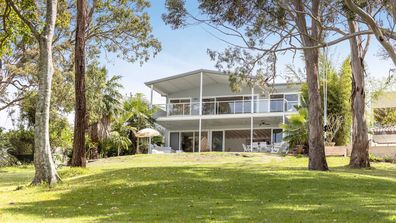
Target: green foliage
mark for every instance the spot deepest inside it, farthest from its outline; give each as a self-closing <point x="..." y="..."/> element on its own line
<point x="61" y="133"/>
<point x="141" y="111"/>
<point x="296" y="129"/>
<point x="123" y="28"/>
<point x="343" y="97"/>
<point x="385" y="116"/>
<point x="115" y="145"/>
<point x="20" y="141"/>
<point x="12" y="30"/>
<point x="103" y="93"/>
<point x="140" y="115"/>
<point x="339" y="88"/>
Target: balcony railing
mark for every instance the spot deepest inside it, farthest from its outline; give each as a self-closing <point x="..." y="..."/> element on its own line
<point x="230" y="107"/>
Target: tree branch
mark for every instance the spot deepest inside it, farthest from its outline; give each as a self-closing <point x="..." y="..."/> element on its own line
<point x="23" y="18"/>
<point x="375" y="27"/>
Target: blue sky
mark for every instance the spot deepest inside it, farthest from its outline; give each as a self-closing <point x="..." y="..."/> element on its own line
<point x="185" y="50"/>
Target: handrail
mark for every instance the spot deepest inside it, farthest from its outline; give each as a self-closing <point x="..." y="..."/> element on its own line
<point x="235" y="107"/>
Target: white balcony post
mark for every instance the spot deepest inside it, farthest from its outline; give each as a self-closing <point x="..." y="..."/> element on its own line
<point x="200" y="112"/>
<point x="269" y="102"/>
<point x="151" y="96"/>
<point x="252" y="101"/>
<point x="200" y="94"/>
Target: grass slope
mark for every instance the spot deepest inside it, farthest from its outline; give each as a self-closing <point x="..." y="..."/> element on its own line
<point x="212" y="187"/>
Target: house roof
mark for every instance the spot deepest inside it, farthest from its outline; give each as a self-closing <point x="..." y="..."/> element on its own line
<point x="188" y="80"/>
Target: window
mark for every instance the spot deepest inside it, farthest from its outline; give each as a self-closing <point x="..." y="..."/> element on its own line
<point x="217" y="141"/>
<point x="277" y="135"/>
<point x="276" y="103"/>
<point x="179" y="107"/>
<point x="291" y="102"/>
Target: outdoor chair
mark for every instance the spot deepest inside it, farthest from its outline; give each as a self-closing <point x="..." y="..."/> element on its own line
<point x="282" y="148"/>
<point x="275" y="148"/>
<point x="255" y="147"/>
<point x="264" y="147"/>
<point x="246" y="148"/>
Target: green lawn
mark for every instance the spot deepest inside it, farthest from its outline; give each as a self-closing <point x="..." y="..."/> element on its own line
<point x="212" y="187"/>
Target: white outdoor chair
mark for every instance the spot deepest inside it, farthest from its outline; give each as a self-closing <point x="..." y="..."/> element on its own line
<point x="264" y="147"/>
<point x="255" y="146"/>
<point x="284" y="148"/>
<point x="275" y="148"/>
<point x="246" y="148"/>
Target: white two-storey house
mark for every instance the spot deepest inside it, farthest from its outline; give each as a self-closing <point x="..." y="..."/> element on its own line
<point x="203" y="114"/>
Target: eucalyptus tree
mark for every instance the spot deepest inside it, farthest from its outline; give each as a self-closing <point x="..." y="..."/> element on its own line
<point x="80" y="110"/>
<point x="371" y="13"/>
<point x="39" y="18"/>
<point x="360" y="143"/>
<point x="258" y="31"/>
<point x="117" y="27"/>
<point x="381" y="18"/>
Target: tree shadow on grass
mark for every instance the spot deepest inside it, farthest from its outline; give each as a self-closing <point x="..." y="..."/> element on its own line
<point x="8" y="178"/>
<point x="185" y="194"/>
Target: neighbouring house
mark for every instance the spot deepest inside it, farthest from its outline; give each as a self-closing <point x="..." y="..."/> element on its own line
<point x="201" y="105"/>
<point x="384" y="124"/>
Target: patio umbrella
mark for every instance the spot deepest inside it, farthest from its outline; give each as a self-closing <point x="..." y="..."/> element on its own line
<point x="147" y="133"/>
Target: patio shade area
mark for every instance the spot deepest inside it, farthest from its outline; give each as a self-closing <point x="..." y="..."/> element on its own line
<point x="234" y="139"/>
<point x="222" y="140"/>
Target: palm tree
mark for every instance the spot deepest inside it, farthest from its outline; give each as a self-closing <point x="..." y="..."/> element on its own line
<point x="296" y="130"/>
<point x="141" y="115"/>
<point x="104" y="103"/>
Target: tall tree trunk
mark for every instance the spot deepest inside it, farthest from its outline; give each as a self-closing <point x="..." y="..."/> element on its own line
<point x="310" y="38"/>
<point x="80" y="107"/>
<point x="360" y="142"/>
<point x="44" y="166"/>
<point x="317" y="158"/>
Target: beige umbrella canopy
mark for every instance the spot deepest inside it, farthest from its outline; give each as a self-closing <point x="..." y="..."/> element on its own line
<point x="147" y="133"/>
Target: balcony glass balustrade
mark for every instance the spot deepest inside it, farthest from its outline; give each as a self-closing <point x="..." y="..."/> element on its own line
<point x="230" y="107"/>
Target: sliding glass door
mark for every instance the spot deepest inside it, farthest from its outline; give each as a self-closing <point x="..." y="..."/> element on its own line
<point x="217" y="141"/>
<point x="204" y="142"/>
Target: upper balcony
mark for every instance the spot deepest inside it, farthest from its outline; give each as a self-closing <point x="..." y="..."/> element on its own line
<point x="229" y="107"/>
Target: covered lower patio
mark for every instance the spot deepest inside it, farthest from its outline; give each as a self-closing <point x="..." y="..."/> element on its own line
<point x="222" y="135"/>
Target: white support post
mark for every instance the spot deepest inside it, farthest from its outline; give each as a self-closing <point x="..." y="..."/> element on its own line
<point x="269" y="102"/>
<point x="167" y="105"/>
<point x="200" y="112"/>
<point x="199" y="135"/>
<point x="251" y="133"/>
<point x="200" y="94"/>
<point x="151" y="96"/>
<point x="283" y="122"/>
<point x="252" y="101"/>
<point x="193" y="145"/>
